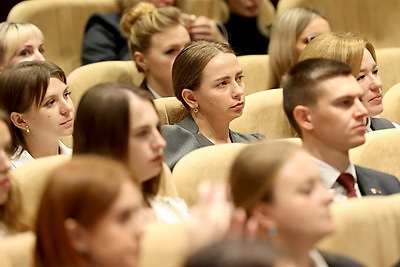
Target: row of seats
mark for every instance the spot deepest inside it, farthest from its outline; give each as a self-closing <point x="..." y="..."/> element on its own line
<point x="374" y="223"/>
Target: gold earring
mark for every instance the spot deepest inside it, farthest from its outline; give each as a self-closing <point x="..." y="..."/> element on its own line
<point x="27" y="129"/>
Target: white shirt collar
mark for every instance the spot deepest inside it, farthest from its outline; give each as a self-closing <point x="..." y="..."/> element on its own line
<point x="329" y="176"/>
<point x="368" y="125"/>
<point x="154" y="93"/>
<point x="317" y="258"/>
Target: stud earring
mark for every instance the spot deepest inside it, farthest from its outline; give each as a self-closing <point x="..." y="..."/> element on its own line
<point x="195" y="110"/>
<point x="27" y="129"/>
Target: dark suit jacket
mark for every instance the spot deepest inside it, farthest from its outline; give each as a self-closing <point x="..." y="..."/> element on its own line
<point x="372" y="182"/>
<point x="183" y="138"/>
<point x="335" y="260"/>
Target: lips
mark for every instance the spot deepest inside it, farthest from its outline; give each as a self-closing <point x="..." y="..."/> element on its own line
<point x="5" y="182"/>
<point x="158" y="158"/>
<point x="238" y="105"/>
<point x="376" y="98"/>
<point x="65" y="122"/>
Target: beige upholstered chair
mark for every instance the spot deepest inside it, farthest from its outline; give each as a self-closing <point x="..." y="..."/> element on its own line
<point x="211" y="163"/>
<point x="388" y="65"/>
<point x="381" y="151"/>
<point x="263" y="113"/>
<point x="368" y="230"/>
<point x="257" y="73"/>
<point x="377" y="21"/>
<point x="170" y="110"/>
<point x="17" y="250"/>
<point x="63" y="24"/>
<point x="391" y="104"/>
<point x="32" y="179"/>
<point x="84" y="77"/>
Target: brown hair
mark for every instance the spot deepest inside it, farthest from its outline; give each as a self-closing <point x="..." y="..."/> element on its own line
<point x="12" y="213"/>
<point x="144" y="20"/>
<point x="102" y="124"/>
<point x="189" y="65"/>
<point x="253" y="174"/>
<point x="346" y="47"/>
<point x="23" y="86"/>
<point x="82" y="189"/>
<point x="301" y="85"/>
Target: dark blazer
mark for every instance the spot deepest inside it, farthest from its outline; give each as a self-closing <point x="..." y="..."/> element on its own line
<point x="103" y="40"/>
<point x="372" y="182"/>
<point x="380" y="124"/>
<point x="335" y="260"/>
<point x="183" y="138"/>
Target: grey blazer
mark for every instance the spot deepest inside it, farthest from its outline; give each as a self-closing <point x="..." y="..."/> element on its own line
<point x="183" y="138"/>
<point x="372" y="182"/>
<point x="380" y="124"/>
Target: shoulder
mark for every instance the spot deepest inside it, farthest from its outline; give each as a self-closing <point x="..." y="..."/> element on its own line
<point x="335" y="260"/>
<point x="384" y="182"/>
<point x="169" y="209"/>
<point x="106" y="20"/>
<point x="381" y="123"/>
<point x="374" y="173"/>
<point x="244" y="138"/>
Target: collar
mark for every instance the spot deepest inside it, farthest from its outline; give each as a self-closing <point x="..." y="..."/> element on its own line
<point x="329" y="174"/>
<point x="317" y="258"/>
<point x="154" y="93"/>
<point x="368" y="126"/>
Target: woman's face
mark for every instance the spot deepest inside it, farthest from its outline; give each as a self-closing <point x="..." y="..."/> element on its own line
<point x="220" y="95"/>
<point x="146" y="144"/>
<point x="115" y="239"/>
<point x="244" y="8"/>
<point x="55" y="116"/>
<point x="371" y="83"/>
<point x="5" y="143"/>
<point x="31" y="50"/>
<point x="158" y="60"/>
<point x="300" y="208"/>
<point x="316" y="27"/>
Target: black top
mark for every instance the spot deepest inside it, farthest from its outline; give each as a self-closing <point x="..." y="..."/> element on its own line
<point x="244" y="36"/>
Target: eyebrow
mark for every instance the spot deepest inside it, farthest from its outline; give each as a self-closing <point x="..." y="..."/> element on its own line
<point x="373" y="67"/>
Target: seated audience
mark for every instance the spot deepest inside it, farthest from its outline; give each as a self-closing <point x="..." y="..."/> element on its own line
<point x="19" y="42"/>
<point x="156" y="36"/>
<point x="207" y="79"/>
<point x="12" y="214"/>
<point x="240" y="253"/>
<point x="279" y="186"/>
<point x="35" y="96"/>
<point x="104" y="41"/>
<point x="246" y="34"/>
<point x="90" y="214"/>
<point x="290" y="34"/>
<point x="359" y="54"/>
<point x="120" y="121"/>
<point x="322" y="101"/>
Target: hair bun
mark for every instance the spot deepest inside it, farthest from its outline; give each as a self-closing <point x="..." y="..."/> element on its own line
<point x="133" y="14"/>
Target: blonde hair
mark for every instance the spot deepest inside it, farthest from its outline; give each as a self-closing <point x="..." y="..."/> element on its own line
<point x="282" y="47"/>
<point x="143" y="20"/>
<point x="13" y="35"/>
<point x="346" y="47"/>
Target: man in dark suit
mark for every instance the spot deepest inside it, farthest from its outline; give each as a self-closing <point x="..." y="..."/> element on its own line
<point x="321" y="99"/>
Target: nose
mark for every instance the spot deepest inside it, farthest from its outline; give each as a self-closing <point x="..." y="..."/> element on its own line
<point x="360" y="109"/>
<point x="376" y="83"/>
<point x="38" y="56"/>
<point x="66" y="107"/>
<point x="238" y="90"/>
<point x="159" y="141"/>
<point x="5" y="163"/>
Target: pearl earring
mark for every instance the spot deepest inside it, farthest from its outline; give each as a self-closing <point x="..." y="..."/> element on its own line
<point x="27" y="129"/>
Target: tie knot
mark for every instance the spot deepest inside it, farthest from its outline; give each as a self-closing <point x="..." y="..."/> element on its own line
<point x="347" y="181"/>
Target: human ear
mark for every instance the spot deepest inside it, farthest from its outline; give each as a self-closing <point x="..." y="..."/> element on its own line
<point x="18" y="120"/>
<point x="139" y="58"/>
<point x="303" y="117"/>
<point x="263" y="214"/>
<point x="190" y="98"/>
<point x="77" y="235"/>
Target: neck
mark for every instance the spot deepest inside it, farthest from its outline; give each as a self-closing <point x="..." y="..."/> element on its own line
<point x="339" y="159"/>
<point x="215" y="131"/>
<point x="299" y="248"/>
<point x="160" y="87"/>
<point x="41" y="148"/>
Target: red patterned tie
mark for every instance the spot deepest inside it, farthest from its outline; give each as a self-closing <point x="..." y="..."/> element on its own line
<point x="347" y="181"/>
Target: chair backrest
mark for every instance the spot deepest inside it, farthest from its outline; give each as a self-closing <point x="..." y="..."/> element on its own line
<point x="388" y="64"/>
<point x="370" y="20"/>
<point x="170" y="110"/>
<point x="63" y="24"/>
<point x="167" y="184"/>
<point x="211" y="163"/>
<point x="84" y="77"/>
<point x="32" y="179"/>
<point x="263" y="113"/>
<point x="391" y="104"/>
<point x="17" y="250"/>
<point x="368" y="230"/>
<point x="381" y="151"/>
<point x="257" y="73"/>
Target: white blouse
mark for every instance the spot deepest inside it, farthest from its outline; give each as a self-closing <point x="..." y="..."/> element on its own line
<point x="169" y="209"/>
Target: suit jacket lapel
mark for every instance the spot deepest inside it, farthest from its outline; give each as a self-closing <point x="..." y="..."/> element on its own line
<point x="367" y="185"/>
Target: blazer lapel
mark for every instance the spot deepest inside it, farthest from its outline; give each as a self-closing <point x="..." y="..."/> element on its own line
<point x="367" y="185"/>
